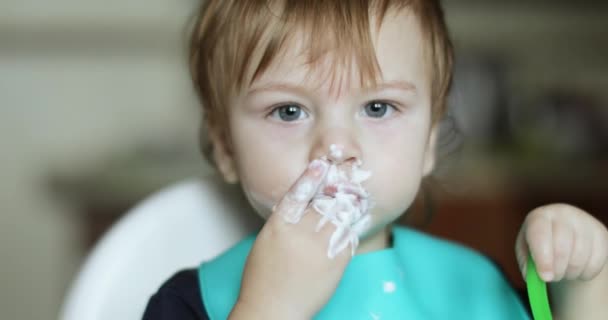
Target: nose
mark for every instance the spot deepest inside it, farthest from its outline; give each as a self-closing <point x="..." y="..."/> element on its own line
<point x="340" y="146"/>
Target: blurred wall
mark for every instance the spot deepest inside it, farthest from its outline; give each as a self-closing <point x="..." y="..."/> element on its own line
<point x="547" y="43"/>
<point x="78" y="82"/>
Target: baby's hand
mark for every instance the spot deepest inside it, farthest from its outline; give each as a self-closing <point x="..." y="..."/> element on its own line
<point x="288" y="274"/>
<point x="565" y="242"/>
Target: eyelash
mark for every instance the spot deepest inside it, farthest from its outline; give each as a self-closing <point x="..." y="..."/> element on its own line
<point x="286" y="104"/>
<point x="302" y="109"/>
<point x="388" y="103"/>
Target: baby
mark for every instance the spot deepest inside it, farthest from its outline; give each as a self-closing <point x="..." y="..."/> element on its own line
<point x="326" y="114"/>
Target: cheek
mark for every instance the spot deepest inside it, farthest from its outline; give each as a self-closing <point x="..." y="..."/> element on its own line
<point x="397" y="165"/>
<point x="395" y="184"/>
<point x="395" y="193"/>
<point x="265" y="170"/>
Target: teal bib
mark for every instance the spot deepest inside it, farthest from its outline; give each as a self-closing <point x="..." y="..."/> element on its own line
<point x="420" y="277"/>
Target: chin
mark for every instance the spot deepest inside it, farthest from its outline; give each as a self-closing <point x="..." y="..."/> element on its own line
<point x="379" y="222"/>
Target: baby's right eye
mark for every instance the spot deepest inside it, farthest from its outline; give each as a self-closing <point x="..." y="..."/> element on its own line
<point x="288" y="113"/>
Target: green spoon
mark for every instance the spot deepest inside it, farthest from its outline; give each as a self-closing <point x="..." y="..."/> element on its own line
<point x="537" y="293"/>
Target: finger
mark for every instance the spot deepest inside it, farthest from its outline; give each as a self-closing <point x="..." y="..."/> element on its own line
<point x="521" y="252"/>
<point x="310" y="221"/>
<point x="333" y="239"/>
<point x="563" y="238"/>
<point x="597" y="261"/>
<point x="539" y="235"/>
<point x="580" y="255"/>
<point x="292" y="206"/>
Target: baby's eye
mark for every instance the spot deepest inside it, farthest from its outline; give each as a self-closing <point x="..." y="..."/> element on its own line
<point x="288" y="113"/>
<point x="378" y="109"/>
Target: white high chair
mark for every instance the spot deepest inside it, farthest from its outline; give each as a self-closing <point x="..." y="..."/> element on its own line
<point x="177" y="228"/>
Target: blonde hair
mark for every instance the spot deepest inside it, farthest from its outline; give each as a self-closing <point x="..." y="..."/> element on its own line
<point x="234" y="41"/>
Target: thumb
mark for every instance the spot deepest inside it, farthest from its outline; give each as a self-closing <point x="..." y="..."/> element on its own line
<point x="522" y="253"/>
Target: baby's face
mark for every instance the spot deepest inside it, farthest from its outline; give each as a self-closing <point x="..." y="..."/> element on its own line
<point x="291" y="115"/>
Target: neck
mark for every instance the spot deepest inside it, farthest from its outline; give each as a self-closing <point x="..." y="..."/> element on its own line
<point x="376" y="241"/>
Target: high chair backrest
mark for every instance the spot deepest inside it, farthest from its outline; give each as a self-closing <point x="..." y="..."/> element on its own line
<point x="176" y="228"/>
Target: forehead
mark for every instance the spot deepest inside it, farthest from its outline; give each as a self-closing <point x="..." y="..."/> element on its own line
<point x="398" y="46"/>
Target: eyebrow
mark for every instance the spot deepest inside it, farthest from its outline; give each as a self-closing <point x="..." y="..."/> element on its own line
<point x="279" y="86"/>
<point x="397" y="84"/>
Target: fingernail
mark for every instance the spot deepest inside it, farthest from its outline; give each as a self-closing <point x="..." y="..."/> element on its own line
<point x="547" y="276"/>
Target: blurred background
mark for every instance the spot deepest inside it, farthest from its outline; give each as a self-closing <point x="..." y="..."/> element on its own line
<point x="97" y="111"/>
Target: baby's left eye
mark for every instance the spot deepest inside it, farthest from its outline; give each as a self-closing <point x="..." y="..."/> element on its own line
<point x="378" y="109"/>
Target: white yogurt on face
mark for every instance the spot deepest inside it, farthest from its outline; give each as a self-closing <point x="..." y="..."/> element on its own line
<point x="342" y="201"/>
<point x="335" y="151"/>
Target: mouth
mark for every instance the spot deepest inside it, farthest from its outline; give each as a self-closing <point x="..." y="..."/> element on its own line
<point x="345" y="188"/>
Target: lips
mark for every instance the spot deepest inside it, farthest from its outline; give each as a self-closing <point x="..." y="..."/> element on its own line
<point x="345" y="188"/>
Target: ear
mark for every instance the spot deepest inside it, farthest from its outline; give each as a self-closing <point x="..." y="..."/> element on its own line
<point x="430" y="154"/>
<point x="222" y="155"/>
